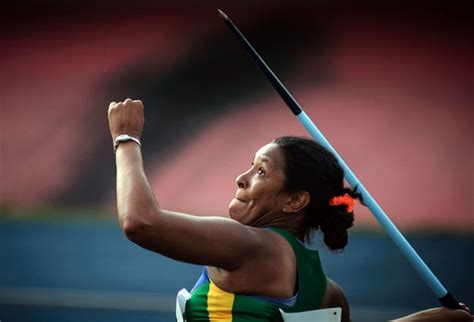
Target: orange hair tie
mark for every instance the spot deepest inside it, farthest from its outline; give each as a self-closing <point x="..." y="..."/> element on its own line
<point x="343" y="200"/>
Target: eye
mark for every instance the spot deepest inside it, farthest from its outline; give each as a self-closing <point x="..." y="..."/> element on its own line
<point x="260" y="172"/>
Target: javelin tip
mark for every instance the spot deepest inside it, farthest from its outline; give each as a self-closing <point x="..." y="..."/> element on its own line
<point x="222" y="14"/>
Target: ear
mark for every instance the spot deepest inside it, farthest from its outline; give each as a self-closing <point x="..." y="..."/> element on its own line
<point x="296" y="202"/>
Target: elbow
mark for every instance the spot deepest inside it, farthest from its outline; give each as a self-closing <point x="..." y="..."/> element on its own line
<point x="138" y="224"/>
<point x="133" y="229"/>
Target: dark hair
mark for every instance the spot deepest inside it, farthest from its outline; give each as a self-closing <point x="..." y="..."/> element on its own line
<point x="312" y="168"/>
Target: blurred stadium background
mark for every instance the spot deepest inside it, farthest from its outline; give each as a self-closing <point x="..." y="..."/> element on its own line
<point x="391" y="86"/>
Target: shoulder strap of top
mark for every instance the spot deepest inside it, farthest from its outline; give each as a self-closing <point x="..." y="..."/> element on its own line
<point x="312" y="281"/>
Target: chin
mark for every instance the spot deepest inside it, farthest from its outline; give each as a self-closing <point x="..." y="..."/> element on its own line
<point x="234" y="215"/>
<point x="233" y="209"/>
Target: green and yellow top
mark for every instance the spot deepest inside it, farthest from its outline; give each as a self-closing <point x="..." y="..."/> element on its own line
<point x="209" y="303"/>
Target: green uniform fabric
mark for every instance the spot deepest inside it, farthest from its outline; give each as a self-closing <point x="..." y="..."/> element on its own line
<point x="312" y="281"/>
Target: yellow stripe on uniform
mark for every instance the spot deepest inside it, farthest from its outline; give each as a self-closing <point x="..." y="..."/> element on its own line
<point x="219" y="304"/>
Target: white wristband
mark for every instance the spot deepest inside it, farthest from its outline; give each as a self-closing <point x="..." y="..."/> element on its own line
<point x="125" y="138"/>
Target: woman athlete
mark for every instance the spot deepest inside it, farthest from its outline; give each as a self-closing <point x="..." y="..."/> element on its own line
<point x="255" y="261"/>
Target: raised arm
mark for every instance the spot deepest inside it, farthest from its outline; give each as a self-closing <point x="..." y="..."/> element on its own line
<point x="213" y="241"/>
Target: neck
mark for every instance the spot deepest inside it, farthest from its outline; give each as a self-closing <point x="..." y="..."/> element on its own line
<point x="290" y="222"/>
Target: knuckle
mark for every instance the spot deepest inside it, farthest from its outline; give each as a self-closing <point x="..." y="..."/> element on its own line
<point x="137" y="104"/>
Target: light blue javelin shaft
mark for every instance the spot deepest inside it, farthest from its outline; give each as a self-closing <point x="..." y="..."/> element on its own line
<point x="377" y="211"/>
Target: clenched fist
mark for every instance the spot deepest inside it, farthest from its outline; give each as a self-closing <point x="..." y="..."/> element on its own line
<point x="126" y="118"/>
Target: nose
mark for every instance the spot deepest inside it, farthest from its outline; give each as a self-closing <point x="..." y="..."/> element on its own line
<point x="241" y="181"/>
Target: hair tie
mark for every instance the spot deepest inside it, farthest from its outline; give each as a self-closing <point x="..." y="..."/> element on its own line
<point x="346" y="199"/>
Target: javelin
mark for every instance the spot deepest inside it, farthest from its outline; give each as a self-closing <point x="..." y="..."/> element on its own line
<point x="445" y="298"/>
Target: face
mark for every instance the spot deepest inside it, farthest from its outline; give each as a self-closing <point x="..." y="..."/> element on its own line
<point x="260" y="196"/>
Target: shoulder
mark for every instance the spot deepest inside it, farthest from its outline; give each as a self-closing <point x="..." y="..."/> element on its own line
<point x="280" y="255"/>
<point x="271" y="245"/>
<point x="272" y="272"/>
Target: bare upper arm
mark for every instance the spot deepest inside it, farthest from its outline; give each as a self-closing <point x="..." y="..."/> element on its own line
<point x="440" y="314"/>
<point x="335" y="297"/>
<point x="212" y="241"/>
